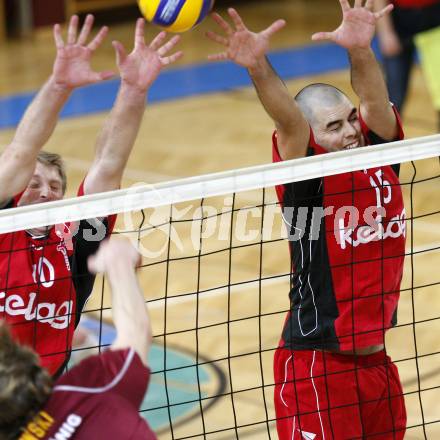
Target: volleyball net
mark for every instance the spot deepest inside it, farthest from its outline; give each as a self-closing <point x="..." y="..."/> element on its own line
<point x="216" y="273"/>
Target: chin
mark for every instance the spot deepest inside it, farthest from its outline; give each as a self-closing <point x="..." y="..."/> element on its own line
<point x="39" y="231"/>
<point x="33" y="202"/>
<point x="22" y="202"/>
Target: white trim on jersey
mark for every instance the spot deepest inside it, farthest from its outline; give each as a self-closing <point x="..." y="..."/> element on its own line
<point x="108" y="387"/>
<point x="284" y="383"/>
<point x="316" y="394"/>
<point x="308" y="277"/>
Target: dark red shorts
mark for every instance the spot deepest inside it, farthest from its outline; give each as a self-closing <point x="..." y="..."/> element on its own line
<point x="327" y="396"/>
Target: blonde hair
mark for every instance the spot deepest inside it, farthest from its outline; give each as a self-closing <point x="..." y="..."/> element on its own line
<point x="54" y="160"/>
<point x="24" y="385"/>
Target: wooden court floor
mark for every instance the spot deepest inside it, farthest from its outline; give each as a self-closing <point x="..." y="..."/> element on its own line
<point x="229" y="130"/>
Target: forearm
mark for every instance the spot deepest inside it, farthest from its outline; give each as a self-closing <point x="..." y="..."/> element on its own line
<point x="293" y="130"/>
<point x="116" y="141"/>
<point x="367" y="78"/>
<point x="274" y="96"/>
<point x="369" y="84"/>
<point x="33" y="131"/>
<point x="40" y="119"/>
<point x="129" y="310"/>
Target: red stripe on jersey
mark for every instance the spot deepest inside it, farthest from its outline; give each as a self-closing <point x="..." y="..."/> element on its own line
<point x="415" y="3"/>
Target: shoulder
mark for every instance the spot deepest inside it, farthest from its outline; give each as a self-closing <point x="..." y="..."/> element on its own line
<point x="312" y="147"/>
<point x="115" y="373"/>
<point x="101" y="371"/>
<point x="102" y="226"/>
<point x="13" y="240"/>
<point x="7" y="204"/>
<point x="372" y="138"/>
<point x="302" y="192"/>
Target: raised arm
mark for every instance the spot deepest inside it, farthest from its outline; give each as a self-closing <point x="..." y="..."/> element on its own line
<point x="138" y="71"/>
<point x="249" y="49"/>
<point x="389" y="41"/>
<point x="71" y="69"/>
<point x="355" y="34"/>
<point x="119" y="259"/>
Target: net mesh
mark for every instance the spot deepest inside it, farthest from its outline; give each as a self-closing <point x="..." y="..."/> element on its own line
<point x="216" y="274"/>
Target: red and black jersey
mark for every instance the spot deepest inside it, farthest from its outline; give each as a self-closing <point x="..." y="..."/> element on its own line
<point x="413" y="4"/>
<point x="45" y="283"/>
<point x="97" y="399"/>
<point x="347" y="246"/>
<point x="411" y="17"/>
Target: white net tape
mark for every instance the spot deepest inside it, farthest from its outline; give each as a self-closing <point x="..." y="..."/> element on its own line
<point x="234" y="181"/>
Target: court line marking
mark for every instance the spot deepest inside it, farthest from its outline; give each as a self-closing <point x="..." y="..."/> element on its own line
<point x="196" y="79"/>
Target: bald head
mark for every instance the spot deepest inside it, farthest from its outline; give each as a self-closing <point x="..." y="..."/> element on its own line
<point x="316" y="98"/>
<point x="332" y="116"/>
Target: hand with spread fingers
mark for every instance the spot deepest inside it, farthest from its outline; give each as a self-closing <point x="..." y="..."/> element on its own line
<point x="142" y="66"/>
<point x="138" y="71"/>
<point x="244" y="47"/>
<point x="358" y="25"/>
<point x="72" y="64"/>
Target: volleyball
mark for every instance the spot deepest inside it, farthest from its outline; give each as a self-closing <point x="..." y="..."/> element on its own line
<point x="175" y="15"/>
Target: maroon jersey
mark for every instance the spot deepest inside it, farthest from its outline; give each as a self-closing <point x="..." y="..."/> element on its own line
<point x="347" y="245"/>
<point x="97" y="399"/>
<point x="45" y="282"/>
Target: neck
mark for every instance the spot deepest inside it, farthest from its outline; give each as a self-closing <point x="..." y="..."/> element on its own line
<point x="39" y="232"/>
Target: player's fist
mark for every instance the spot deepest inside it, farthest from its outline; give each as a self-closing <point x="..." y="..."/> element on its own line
<point x="113" y="254"/>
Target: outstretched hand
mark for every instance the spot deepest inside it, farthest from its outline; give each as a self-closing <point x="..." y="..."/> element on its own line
<point x="141" y="67"/>
<point x="358" y="25"/>
<point x="244" y="47"/>
<point x="72" y="64"/>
